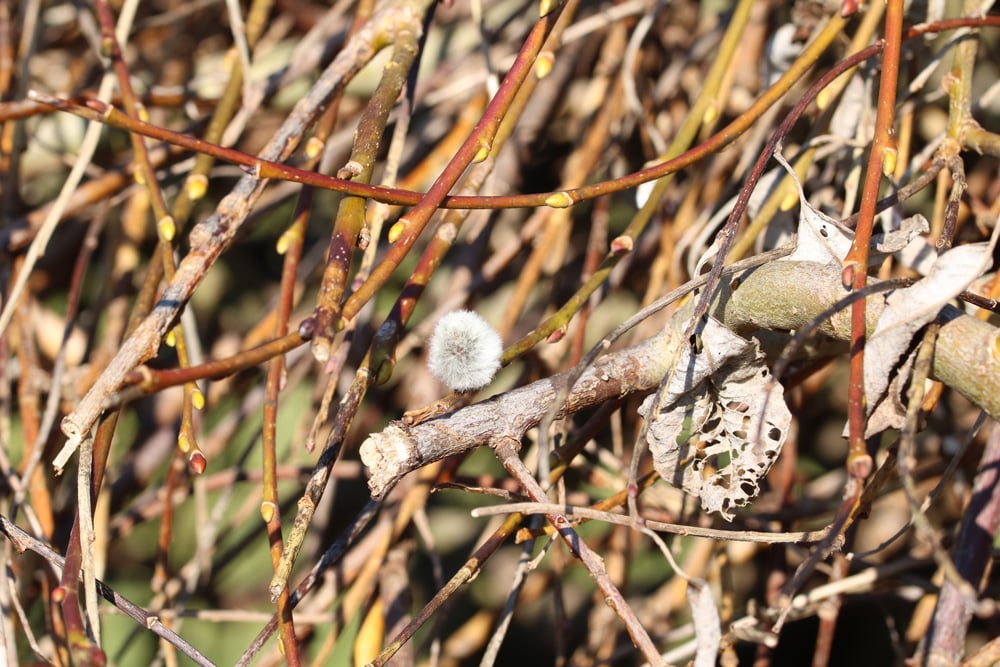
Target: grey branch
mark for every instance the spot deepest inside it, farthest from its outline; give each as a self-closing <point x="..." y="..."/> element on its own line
<point x="399" y="448"/>
<point x="780" y="296"/>
<point x="785" y="296"/>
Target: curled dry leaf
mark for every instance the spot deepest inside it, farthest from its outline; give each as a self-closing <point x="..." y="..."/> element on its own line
<point x="820" y="238"/>
<point x="823" y="239"/>
<point x="781" y="51"/>
<point x="908" y="310"/>
<point x="720" y="423"/>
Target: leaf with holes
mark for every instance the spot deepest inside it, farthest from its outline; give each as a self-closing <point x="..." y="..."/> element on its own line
<point x="720" y="423"/>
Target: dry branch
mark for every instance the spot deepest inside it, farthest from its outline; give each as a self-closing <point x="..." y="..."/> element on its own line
<point x="786" y="296"/>
<point x="22" y="541"/>
<point x="400" y="449"/>
<point x="781" y="296"/>
<point x="623" y="76"/>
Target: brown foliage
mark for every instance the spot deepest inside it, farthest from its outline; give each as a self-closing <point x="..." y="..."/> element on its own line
<point x="218" y="285"/>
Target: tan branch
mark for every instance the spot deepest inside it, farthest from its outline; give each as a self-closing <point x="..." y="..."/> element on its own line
<point x="212" y="236"/>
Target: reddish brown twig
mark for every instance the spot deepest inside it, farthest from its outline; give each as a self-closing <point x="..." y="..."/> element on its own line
<point x="883" y="154"/>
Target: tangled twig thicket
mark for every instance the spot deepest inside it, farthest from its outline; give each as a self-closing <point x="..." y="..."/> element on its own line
<point x="228" y="230"/>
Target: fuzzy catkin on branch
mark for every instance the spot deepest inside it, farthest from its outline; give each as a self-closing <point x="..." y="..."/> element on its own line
<point x="781" y="295"/>
<point x="399" y="449"/>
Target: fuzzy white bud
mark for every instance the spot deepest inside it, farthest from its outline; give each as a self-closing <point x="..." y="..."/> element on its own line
<point x="464" y="351"/>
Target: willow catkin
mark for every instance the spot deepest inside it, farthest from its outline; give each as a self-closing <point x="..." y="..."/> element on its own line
<point x="464" y="351"/>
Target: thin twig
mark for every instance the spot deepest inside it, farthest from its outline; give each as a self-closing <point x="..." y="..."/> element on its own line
<point x="675" y="528"/>
<point x="506" y="451"/>
<point x="23" y="541"/>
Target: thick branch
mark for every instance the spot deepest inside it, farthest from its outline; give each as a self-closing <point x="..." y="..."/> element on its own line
<point x="399" y="448"/>
<point x="973" y="555"/>
<point x="788" y="295"/>
<point x="781" y="295"/>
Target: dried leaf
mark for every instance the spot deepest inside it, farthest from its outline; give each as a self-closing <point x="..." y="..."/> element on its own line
<point x="890" y="412"/>
<point x="823" y="240"/>
<point x="852" y="106"/>
<point x="780" y="52"/>
<point x="704" y="434"/>
<point x="908" y="310"/>
<point x="902" y="238"/>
